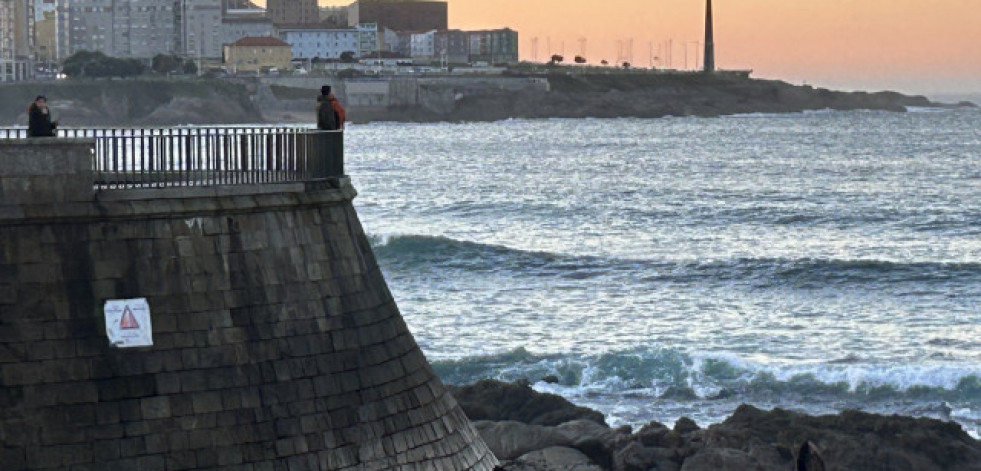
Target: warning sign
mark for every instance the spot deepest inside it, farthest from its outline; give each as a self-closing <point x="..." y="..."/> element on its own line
<point x="128" y="323"/>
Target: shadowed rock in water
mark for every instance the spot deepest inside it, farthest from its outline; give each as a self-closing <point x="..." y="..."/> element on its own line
<point x="494" y="400"/>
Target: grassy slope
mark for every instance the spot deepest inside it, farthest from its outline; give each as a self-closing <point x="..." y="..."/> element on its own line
<point x="114" y="100"/>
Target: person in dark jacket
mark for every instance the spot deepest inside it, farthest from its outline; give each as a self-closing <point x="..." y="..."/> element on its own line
<point x="39" y="123"/>
<point x="326" y="117"/>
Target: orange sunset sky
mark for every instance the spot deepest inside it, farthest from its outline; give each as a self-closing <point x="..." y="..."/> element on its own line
<point x="916" y="46"/>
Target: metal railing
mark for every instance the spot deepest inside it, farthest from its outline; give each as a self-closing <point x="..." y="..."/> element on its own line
<point x="204" y="156"/>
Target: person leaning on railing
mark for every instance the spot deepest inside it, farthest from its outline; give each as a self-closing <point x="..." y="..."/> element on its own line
<point x="39" y="123"/>
<point x="330" y="114"/>
<point x="327" y="119"/>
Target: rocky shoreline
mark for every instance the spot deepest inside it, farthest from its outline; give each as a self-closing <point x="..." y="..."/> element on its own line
<point x="643" y="96"/>
<point x="160" y="102"/>
<point x="531" y="431"/>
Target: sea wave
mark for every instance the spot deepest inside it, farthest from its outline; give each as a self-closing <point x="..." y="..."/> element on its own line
<point x="675" y="375"/>
<point x="412" y="251"/>
<point x="927" y="109"/>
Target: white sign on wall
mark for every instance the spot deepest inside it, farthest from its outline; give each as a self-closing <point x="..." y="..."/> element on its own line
<point x="128" y="323"/>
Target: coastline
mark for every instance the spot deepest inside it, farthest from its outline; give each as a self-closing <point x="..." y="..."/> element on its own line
<point x="528" y="430"/>
<point x="164" y="102"/>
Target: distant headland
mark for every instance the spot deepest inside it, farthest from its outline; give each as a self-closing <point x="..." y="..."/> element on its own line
<point x="524" y="93"/>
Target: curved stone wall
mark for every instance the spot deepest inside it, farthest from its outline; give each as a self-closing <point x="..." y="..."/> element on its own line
<point x="276" y="343"/>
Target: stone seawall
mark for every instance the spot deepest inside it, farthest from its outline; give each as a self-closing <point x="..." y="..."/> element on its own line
<point x="276" y="343"/>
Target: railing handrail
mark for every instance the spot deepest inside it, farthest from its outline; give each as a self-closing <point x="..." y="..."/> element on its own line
<point x="20" y="132"/>
<point x="133" y="157"/>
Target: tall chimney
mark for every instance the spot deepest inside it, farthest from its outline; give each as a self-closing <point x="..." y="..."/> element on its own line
<point x="709" y="40"/>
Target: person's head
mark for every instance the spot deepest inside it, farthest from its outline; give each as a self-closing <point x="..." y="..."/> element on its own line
<point x="325" y="90"/>
<point x="41" y="101"/>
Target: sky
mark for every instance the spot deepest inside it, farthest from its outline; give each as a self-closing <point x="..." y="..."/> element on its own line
<point x="914" y="46"/>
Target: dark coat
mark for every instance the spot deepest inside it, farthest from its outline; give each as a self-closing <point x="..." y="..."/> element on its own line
<point x="326" y="118"/>
<point x="39" y="123"/>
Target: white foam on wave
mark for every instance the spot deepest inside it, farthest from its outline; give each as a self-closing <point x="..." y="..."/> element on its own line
<point x="926" y="109"/>
<point x="900" y="377"/>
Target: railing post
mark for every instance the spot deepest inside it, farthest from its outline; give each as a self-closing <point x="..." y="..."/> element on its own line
<point x="326" y="158"/>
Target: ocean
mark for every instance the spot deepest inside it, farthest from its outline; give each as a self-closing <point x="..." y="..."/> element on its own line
<point x="661" y="268"/>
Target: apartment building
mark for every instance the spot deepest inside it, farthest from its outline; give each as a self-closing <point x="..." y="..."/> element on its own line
<point x="400" y="15"/>
<point x="494" y="46"/>
<point x="122" y="28"/>
<point x="16" y="40"/>
<point x="243" y="24"/>
<point x="313" y="43"/>
<point x="293" y="12"/>
<point x="369" y="41"/>
<point x="199" y="28"/>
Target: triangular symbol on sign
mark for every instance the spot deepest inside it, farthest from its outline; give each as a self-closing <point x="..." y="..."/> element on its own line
<point x="128" y="322"/>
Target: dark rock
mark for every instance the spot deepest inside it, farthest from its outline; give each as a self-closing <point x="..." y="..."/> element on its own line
<point x="851" y="440"/>
<point x="551" y="379"/>
<point x="685" y="425"/>
<point x="624" y="430"/>
<point x="580" y="430"/>
<point x="599" y="452"/>
<point x="637" y="457"/>
<point x="752" y="439"/>
<point x="559" y="458"/>
<point x="679" y="393"/>
<point x="494" y="400"/>
<point x="809" y="458"/>
<point x="721" y="459"/>
<point x="652" y="434"/>
<point x="509" y="439"/>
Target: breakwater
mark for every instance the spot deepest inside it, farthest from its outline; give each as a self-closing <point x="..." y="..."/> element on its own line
<point x="275" y="341"/>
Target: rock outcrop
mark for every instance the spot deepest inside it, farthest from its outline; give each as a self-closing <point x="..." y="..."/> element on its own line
<point x="751" y="439"/>
<point x="157" y="102"/>
<point x="634" y="95"/>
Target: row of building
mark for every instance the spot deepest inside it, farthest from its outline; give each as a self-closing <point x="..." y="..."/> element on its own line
<point x="42" y="31"/>
<point x="426" y="47"/>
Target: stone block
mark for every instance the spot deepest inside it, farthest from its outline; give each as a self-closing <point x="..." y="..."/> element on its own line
<point x="19" y="374"/>
<point x="134" y="446"/>
<point x="107" y="432"/>
<point x="152" y="463"/>
<point x="107" y="413"/>
<point x="105" y="450"/>
<point x="136" y="429"/>
<point x="156" y="443"/>
<point x="182" y="460"/>
<point x="155" y="407"/>
<point x="205" y="402"/>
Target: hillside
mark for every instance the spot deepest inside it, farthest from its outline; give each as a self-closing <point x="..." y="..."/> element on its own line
<point x="139" y="102"/>
<point x="649" y="96"/>
<point x="150" y="102"/>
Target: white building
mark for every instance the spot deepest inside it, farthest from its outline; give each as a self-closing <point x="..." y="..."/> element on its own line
<point x="311" y="43"/>
<point x="368" y="40"/>
<point x="423" y="47"/>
